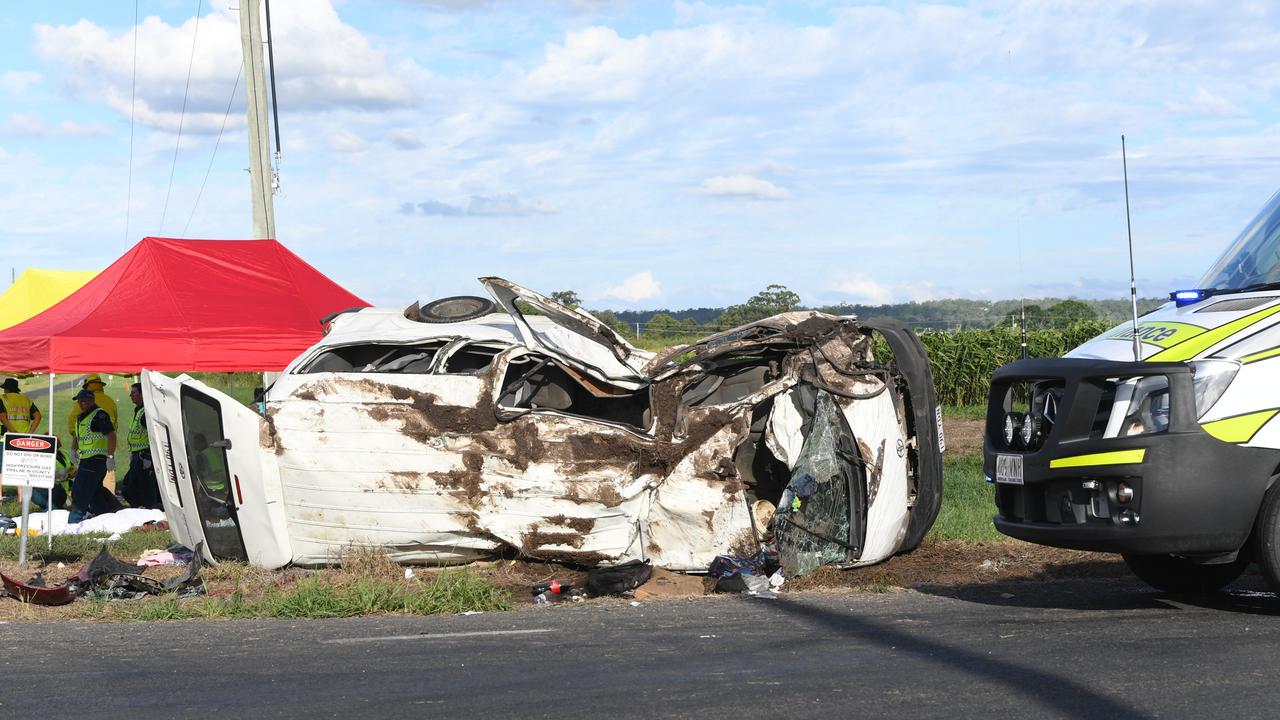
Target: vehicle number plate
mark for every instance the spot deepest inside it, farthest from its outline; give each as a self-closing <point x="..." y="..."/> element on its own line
<point x="1009" y="469"/>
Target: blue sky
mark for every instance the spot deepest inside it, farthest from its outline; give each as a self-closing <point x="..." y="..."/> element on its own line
<point x="658" y="154"/>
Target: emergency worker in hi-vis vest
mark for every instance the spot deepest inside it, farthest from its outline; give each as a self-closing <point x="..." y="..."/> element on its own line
<point x="139" y="485"/>
<point x="94" y="445"/>
<point x="22" y="415"/>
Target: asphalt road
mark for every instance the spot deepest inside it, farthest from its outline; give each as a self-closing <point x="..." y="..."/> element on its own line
<point x="1084" y="649"/>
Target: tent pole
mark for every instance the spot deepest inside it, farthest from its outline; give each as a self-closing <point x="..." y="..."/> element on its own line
<point x="48" y="517"/>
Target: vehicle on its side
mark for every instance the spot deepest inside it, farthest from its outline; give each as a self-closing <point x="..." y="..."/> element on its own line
<point x="463" y="429"/>
<point x="1170" y="459"/>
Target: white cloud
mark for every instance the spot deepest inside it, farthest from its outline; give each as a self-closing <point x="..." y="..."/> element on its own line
<point x="507" y="205"/>
<point x="347" y="141"/>
<point x="17" y="82"/>
<point x="26" y="124"/>
<point x="862" y="289"/>
<point x="321" y="63"/>
<point x="641" y="286"/>
<point x="742" y="186"/>
<point x="481" y="206"/>
<point x="1207" y="103"/>
<point x="404" y="139"/>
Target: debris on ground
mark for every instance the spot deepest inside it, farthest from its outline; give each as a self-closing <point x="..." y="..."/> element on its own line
<point x="666" y="584"/>
<point x="103" y="577"/>
<point x="619" y="579"/>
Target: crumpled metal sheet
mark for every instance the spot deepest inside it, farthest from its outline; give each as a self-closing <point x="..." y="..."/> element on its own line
<point x="429" y="469"/>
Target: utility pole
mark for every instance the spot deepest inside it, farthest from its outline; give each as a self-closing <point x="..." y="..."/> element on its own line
<point x="260" y="173"/>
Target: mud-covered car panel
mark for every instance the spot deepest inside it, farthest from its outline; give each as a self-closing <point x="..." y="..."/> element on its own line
<point x="533" y="452"/>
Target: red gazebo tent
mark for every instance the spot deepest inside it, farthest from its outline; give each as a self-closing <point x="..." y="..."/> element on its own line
<point x="192" y="305"/>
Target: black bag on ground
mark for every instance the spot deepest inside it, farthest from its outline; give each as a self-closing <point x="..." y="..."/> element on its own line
<point x="618" y="579"/>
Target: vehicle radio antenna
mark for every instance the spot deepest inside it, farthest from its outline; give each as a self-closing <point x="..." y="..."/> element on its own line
<point x="1133" y="282"/>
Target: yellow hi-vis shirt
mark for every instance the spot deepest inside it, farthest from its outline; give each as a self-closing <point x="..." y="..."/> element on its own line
<point x="18" y="406"/>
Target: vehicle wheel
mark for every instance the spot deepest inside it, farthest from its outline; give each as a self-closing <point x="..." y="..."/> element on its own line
<point x="459" y="308"/>
<point x="1267" y="550"/>
<point x="1179" y="575"/>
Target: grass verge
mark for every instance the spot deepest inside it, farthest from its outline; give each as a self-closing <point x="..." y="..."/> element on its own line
<point x="328" y="595"/>
<point x="968" y="503"/>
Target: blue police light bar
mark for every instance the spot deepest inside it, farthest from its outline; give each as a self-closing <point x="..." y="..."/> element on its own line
<point x="1188" y="297"/>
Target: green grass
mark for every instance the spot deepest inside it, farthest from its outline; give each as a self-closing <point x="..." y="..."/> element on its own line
<point x="966" y="412"/>
<point x="968" y="503"/>
<point x="79" y="549"/>
<point x="320" y="596"/>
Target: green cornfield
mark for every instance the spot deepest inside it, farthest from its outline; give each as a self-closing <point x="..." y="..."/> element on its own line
<point x="964" y="360"/>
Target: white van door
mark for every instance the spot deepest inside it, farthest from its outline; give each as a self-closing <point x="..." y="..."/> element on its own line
<point x="218" y="485"/>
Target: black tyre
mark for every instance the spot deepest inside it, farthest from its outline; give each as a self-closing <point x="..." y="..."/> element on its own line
<point x="459" y="308"/>
<point x="1267" y="544"/>
<point x="1179" y="575"/>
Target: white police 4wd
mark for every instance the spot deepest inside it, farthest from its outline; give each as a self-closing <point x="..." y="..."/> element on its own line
<point x="1170" y="459"/>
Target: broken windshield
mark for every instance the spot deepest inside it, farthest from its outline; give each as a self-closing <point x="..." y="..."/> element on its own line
<point x="1254" y="257"/>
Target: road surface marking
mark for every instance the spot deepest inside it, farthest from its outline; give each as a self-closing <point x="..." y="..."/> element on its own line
<point x="439" y="636"/>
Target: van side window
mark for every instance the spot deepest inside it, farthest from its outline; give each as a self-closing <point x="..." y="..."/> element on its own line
<point x="539" y="383"/>
<point x="471" y="359"/>
<point x="375" y="358"/>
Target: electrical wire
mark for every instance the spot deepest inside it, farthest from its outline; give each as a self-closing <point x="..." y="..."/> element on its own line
<point x="216" y="143"/>
<point x="182" y="115"/>
<point x="133" y="94"/>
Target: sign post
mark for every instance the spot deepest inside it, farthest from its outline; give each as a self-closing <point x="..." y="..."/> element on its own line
<point x="30" y="461"/>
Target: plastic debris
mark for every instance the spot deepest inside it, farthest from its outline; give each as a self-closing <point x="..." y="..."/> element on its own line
<point x="554" y="587"/>
<point x="107" y="578"/>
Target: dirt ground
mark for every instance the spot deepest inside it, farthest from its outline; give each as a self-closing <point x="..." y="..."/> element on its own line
<point x="963" y="435"/>
<point x="942" y="564"/>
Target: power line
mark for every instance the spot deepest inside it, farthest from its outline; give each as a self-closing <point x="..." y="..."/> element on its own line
<point x="216" y="143"/>
<point x="133" y="94"/>
<point x="182" y="115"/>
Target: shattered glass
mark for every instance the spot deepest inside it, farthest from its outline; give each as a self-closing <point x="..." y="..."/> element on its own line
<point x="821" y="516"/>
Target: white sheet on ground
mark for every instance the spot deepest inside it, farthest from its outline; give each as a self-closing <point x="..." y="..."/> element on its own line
<point x="116" y="522"/>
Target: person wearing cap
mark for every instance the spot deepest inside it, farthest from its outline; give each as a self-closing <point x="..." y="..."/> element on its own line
<point x="95" y="443"/>
<point x="139" y="485"/>
<point x="94" y="383"/>
<point x="22" y="415"/>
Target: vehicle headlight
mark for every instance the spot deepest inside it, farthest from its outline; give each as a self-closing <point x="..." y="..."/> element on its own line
<point x="1032" y="426"/>
<point x="1149" y="407"/>
<point x="1012" y="429"/>
<point x="1209" y="380"/>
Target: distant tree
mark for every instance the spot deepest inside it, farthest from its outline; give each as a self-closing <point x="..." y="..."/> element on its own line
<point x="664" y="326"/>
<point x="775" y="299"/>
<point x="1034" y="313"/>
<point x="772" y="300"/>
<point x="568" y="298"/>
<point x="608" y="317"/>
<point x="1069" y="312"/>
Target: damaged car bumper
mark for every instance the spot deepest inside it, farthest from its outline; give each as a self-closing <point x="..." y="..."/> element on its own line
<point x="1116" y="460"/>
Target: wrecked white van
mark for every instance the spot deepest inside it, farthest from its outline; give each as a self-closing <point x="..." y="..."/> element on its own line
<point x="453" y="432"/>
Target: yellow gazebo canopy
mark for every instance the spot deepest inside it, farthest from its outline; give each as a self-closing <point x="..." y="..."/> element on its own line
<point x="38" y="290"/>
